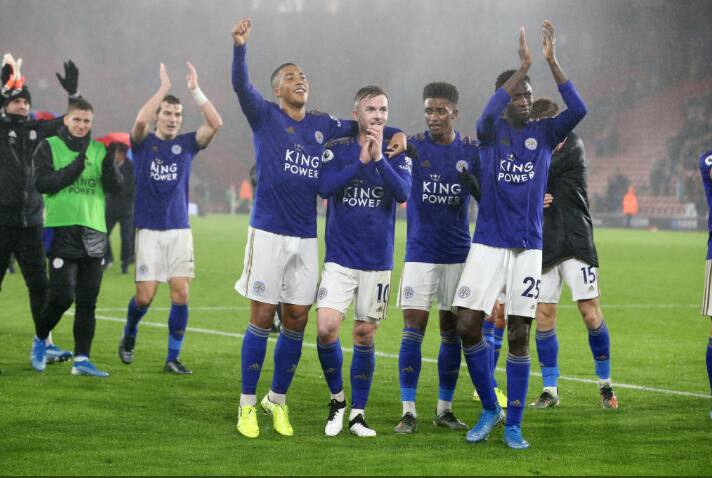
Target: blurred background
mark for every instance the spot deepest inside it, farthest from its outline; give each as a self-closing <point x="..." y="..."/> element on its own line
<point x="643" y="67"/>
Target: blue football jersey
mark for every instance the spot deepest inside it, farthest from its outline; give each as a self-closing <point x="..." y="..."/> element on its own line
<point x="514" y="166"/>
<point x="438" y="220"/>
<point x="361" y="211"/>
<point x="705" y="172"/>
<point x="162" y="175"/>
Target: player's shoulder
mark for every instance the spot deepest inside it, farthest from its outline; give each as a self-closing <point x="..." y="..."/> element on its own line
<point x="340" y="142"/>
<point x="317" y="115"/>
<point x="417" y="138"/>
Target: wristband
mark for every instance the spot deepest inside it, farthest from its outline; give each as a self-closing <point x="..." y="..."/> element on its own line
<point x="199" y="96"/>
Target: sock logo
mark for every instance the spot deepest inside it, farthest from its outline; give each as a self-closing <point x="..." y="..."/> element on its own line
<point x="330" y="371"/>
<point x="515" y="403"/>
<point x="255" y="367"/>
<point x="362" y="376"/>
<point x="408" y="370"/>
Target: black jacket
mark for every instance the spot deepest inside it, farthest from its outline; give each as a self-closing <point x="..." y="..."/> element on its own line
<point x="122" y="203"/>
<point x="568" y="229"/>
<point x="73" y="242"/>
<point x="20" y="203"/>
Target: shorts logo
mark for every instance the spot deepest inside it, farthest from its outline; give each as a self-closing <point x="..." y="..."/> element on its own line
<point x="531" y="144"/>
<point x="322" y="293"/>
<point x="319" y="136"/>
<point x="143" y="269"/>
<point x="408" y="292"/>
<point x="708" y="160"/>
<point x="33" y="135"/>
<point x="327" y="156"/>
<point x="463" y="292"/>
<point x="258" y="287"/>
<point x="176" y="149"/>
<point x="57" y="263"/>
<point x="461" y="165"/>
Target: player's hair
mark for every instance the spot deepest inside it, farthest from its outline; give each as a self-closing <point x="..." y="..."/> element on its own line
<point x="440" y="89"/>
<point x="370" y="91"/>
<point x="79" y="104"/>
<point x="276" y="72"/>
<point x="544" y="108"/>
<point x="170" y="99"/>
<point x="504" y="76"/>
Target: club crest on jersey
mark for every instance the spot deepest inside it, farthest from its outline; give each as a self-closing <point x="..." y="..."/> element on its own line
<point x="461" y="166"/>
<point x="408" y="292"/>
<point x="708" y="160"/>
<point x="327" y="156"/>
<point x="258" y="287"/>
<point x="463" y="292"/>
<point x="319" y="136"/>
<point x="57" y="263"/>
<point x="323" y="292"/>
<point x="176" y="149"/>
<point x="530" y="144"/>
<point x="33" y="135"/>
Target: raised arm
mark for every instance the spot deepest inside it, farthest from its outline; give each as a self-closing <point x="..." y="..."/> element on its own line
<point x="501" y="98"/>
<point x="251" y="101"/>
<point x="575" y="107"/>
<point x="212" y="120"/>
<point x="139" y="130"/>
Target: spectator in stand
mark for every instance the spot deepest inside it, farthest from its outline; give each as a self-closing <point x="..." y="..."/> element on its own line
<point x="630" y="205"/>
<point x="245" y="195"/>
<point x="119" y="208"/>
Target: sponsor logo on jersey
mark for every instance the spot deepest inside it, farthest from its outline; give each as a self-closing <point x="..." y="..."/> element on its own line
<point x="408" y="292"/>
<point x="407" y="164"/>
<point x="530" y="144"/>
<point x="437" y="192"/>
<point x="356" y="195"/>
<point x="57" y="263"/>
<point x="176" y="149"/>
<point x="323" y="292"/>
<point x="300" y="164"/>
<point x="83" y="186"/>
<point x="319" y="136"/>
<point x="511" y="171"/>
<point x="163" y="172"/>
<point x="463" y="292"/>
<point x="461" y="166"/>
<point x="258" y="287"/>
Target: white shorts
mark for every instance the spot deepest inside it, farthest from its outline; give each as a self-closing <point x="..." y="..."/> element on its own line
<point x="582" y="279"/>
<point x="422" y="282"/>
<point x="279" y="268"/>
<point x="707" y="297"/>
<point x="163" y="255"/>
<point x="491" y="271"/>
<point x="339" y="285"/>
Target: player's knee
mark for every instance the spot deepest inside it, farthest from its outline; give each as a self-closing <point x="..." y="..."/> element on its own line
<point x="545" y="318"/>
<point x="591" y="313"/>
<point x="143" y="299"/>
<point x="468" y="330"/>
<point x="60" y="299"/>
<point x="518" y="337"/>
<point x="180" y="295"/>
<point x="363" y="336"/>
<point x="326" y="333"/>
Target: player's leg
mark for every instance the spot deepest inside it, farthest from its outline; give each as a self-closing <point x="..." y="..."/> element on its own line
<point x="8" y="242"/>
<point x="523" y="286"/>
<point x="708" y="360"/>
<point x="417" y="288"/>
<point x="498" y="326"/>
<point x="371" y="307"/>
<point x="60" y="296"/>
<point x="481" y="283"/>
<point x="177" y="324"/>
<point x="89" y="274"/>
<point x="450" y="353"/>
<point x="547" y="344"/>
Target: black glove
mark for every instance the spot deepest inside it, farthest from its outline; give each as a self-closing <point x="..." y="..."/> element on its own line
<point x="70" y="82"/>
<point x="6" y="74"/>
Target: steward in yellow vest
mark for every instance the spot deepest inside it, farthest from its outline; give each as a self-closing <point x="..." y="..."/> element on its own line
<point x="73" y="172"/>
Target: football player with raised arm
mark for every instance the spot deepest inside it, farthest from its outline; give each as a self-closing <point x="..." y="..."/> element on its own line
<point x="706" y="173"/>
<point x="281" y="257"/>
<point x="505" y="257"/>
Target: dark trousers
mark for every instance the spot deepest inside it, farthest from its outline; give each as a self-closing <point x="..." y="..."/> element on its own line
<point x="127" y="238"/>
<point x="26" y="244"/>
<point x="72" y="280"/>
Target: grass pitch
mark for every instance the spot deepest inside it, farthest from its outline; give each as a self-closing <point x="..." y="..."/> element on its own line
<point x="141" y="421"/>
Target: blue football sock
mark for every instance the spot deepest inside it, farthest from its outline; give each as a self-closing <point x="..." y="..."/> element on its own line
<point x="177" y="322"/>
<point x="331" y="358"/>
<point x="448" y="364"/>
<point x="547" y="347"/>
<point x="517" y="385"/>
<point x="254" y="347"/>
<point x="488" y="334"/>
<point x="362" y="366"/>
<point x="709" y="362"/>
<point x="600" y="344"/>
<point x="134" y="315"/>
<point x="287" y="353"/>
<point x="478" y="365"/>
<point x="498" y="339"/>
<point x="409" y="363"/>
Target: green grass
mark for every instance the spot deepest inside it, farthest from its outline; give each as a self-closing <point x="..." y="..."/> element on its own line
<point x="141" y="421"/>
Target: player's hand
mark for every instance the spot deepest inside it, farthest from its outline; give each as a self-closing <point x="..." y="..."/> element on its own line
<point x="549" y="41"/>
<point x="365" y="154"/>
<point x="548" y="199"/>
<point x="192" y="77"/>
<point x="524" y="54"/>
<point x="397" y="144"/>
<point x="241" y="31"/>
<point x="165" y="80"/>
<point x="375" y="133"/>
<point x="70" y="82"/>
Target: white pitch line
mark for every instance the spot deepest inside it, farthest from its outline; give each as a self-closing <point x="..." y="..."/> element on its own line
<point x="425" y="359"/>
